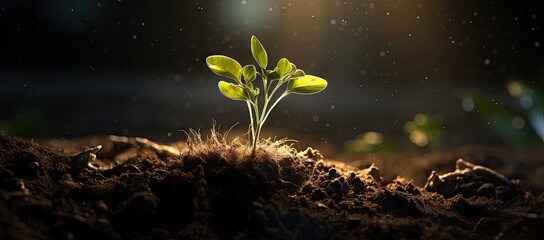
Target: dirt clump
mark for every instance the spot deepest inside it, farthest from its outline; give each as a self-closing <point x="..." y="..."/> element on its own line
<point x="132" y="188"/>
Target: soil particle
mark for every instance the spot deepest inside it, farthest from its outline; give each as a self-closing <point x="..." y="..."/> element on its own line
<point x="133" y="188"/>
<point x="140" y="209"/>
<point x="473" y="180"/>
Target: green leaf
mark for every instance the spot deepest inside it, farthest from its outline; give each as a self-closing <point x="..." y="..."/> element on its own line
<point x="250" y="90"/>
<point x="273" y="75"/>
<point x="284" y="67"/>
<point x="307" y="85"/>
<point x="232" y="91"/>
<point x="298" y="73"/>
<point x="249" y="72"/>
<point x="293" y="67"/>
<point x="258" y="52"/>
<point x="225" y="67"/>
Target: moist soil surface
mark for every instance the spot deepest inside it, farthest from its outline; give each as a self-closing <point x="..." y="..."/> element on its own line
<point x="131" y="188"/>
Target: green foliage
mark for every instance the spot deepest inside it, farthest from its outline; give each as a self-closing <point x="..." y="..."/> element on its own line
<point x="249" y="72"/>
<point x="225" y="67"/>
<point x="258" y="52"/>
<point x="232" y="91"/>
<point x="284" y="73"/>
<point x="284" y="67"/>
<point x="307" y="85"/>
<point x="298" y="73"/>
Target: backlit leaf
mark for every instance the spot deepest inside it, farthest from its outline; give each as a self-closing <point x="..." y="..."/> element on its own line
<point x="249" y="72"/>
<point x="273" y="75"/>
<point x="307" y="85"/>
<point x="284" y="67"/>
<point x="298" y="73"/>
<point x="225" y="66"/>
<point x="293" y="67"/>
<point x="258" y="52"/>
<point x="232" y="91"/>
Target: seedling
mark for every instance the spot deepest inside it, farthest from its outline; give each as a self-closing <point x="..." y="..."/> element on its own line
<point x="242" y="88"/>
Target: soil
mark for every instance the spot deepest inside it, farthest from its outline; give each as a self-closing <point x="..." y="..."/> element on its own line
<point x="115" y="187"/>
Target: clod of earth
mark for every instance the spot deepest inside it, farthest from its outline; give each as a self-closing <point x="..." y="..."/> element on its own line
<point x="133" y="188"/>
<point x="473" y="180"/>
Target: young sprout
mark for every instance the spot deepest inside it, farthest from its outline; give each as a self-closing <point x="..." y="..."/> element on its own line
<point x="243" y="87"/>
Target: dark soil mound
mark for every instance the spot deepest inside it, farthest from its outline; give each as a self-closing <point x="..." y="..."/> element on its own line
<point x="137" y="189"/>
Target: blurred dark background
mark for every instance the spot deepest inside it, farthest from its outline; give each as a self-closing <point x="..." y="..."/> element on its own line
<point x="403" y="75"/>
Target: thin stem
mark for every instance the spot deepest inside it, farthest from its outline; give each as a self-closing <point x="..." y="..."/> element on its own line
<point x="265" y="88"/>
<point x="261" y="118"/>
<point x="255" y="125"/>
<point x="256" y="108"/>
<point x="264" y="77"/>
<point x="261" y="122"/>
<point x="272" y="107"/>
<point x="278" y="85"/>
<point x="252" y="123"/>
<point x="258" y="133"/>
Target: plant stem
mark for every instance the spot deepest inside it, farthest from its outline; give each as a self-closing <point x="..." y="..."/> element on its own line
<point x="258" y="122"/>
<point x="255" y="126"/>
<point x="272" y="107"/>
<point x="252" y="122"/>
